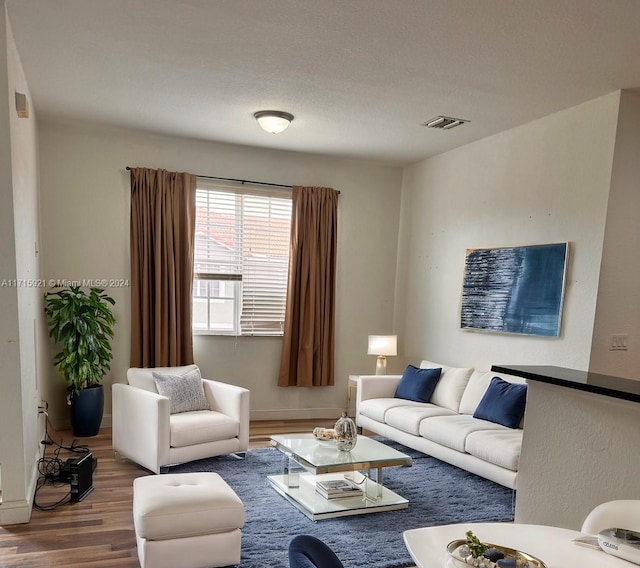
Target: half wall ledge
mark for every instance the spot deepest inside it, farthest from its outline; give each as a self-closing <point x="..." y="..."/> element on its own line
<point x="607" y="385"/>
<point x="579" y="445"/>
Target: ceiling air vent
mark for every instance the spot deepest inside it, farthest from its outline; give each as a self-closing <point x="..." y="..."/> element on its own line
<point x="444" y="122"/>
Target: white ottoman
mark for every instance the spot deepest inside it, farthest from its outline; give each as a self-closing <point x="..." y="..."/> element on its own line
<point x="186" y="520"/>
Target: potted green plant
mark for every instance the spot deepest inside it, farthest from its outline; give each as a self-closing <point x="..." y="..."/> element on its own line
<point x="82" y="324"/>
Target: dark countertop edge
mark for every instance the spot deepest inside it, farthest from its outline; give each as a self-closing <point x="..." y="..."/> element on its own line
<point x="518" y="371"/>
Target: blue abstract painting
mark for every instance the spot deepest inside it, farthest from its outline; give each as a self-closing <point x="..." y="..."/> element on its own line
<point x="514" y="289"/>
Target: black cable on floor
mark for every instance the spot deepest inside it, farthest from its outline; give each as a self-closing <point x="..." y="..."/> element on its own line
<point x="50" y="469"/>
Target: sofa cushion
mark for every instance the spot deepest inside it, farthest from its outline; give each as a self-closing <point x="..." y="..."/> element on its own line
<point x="478" y="385"/>
<point x="451" y="386"/>
<point x="377" y="408"/>
<point x="501" y="447"/>
<point x="408" y="418"/>
<point x="185" y="392"/>
<point x="452" y="431"/>
<point x="417" y="384"/>
<point x="201" y="426"/>
<point x="142" y="378"/>
<point x="503" y="403"/>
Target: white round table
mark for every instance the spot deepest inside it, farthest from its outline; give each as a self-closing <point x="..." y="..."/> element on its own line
<point x="552" y="545"/>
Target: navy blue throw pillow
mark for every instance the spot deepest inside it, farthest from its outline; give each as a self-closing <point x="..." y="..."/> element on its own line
<point x="503" y="403"/>
<point x="417" y="384"/>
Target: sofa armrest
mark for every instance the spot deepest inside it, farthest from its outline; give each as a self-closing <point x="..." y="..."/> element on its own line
<point x="377" y="386"/>
<point x="232" y="401"/>
<point x="140" y="425"/>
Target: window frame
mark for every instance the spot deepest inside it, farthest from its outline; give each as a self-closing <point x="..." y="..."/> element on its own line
<point x="239" y="190"/>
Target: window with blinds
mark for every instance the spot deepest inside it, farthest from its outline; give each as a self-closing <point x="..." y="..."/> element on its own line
<point x="241" y="259"/>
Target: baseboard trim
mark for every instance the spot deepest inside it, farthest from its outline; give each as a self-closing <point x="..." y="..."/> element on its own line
<point x="19" y="511"/>
<point x="64" y="424"/>
<point x="256" y="415"/>
<point x="296" y="414"/>
<point x="15" y="512"/>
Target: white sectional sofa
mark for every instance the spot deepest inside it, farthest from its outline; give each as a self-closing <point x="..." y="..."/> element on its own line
<point x="444" y="427"/>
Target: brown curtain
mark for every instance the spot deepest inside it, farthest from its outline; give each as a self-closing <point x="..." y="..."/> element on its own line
<point x="307" y="347"/>
<point x="162" y="239"/>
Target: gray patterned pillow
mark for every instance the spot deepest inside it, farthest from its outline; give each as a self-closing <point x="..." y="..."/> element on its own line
<point x="184" y="391"/>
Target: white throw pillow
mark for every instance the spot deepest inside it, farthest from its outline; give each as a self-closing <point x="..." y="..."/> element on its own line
<point x="450" y="387"/>
<point x="184" y="391"/>
<point x="142" y="377"/>
<point x="478" y="385"/>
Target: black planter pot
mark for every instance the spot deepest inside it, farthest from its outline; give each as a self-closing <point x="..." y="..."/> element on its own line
<point x="86" y="410"/>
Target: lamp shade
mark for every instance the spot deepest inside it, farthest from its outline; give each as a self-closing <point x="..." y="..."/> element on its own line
<point x="273" y="121"/>
<point x="383" y="345"/>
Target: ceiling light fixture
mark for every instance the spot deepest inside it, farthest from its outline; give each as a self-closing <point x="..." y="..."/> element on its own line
<point x="273" y="121"/>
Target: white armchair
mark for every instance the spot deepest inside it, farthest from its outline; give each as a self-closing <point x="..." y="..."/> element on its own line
<point x="147" y="433"/>
<point x="620" y="514"/>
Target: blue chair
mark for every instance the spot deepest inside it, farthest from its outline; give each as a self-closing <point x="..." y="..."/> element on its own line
<point x="306" y="551"/>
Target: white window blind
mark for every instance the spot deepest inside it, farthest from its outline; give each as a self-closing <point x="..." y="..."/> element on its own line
<point x="241" y="258"/>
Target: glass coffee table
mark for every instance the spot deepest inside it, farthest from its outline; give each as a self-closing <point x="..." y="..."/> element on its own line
<point x="308" y="460"/>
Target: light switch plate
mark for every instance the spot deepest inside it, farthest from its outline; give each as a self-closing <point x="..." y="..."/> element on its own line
<point x="619" y="342"/>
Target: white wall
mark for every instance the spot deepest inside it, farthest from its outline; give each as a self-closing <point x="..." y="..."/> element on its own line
<point x="618" y="307"/>
<point x="22" y="325"/>
<point x="85" y="229"/>
<point x="10" y="414"/>
<point x="546" y="181"/>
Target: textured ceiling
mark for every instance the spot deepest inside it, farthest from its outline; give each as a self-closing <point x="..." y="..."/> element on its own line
<point x="360" y="76"/>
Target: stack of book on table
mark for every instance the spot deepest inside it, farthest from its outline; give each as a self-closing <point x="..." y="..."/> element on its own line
<point x="337" y="488"/>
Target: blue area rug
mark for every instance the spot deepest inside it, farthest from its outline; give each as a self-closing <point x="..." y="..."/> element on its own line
<point x="438" y="494"/>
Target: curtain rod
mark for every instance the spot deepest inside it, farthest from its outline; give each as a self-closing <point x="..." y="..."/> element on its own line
<point x="242" y="181"/>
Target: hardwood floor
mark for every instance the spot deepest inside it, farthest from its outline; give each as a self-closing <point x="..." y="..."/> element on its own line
<point x="98" y="531"/>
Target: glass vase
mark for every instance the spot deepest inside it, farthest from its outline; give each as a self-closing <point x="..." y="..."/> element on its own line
<point x="346" y="433"/>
